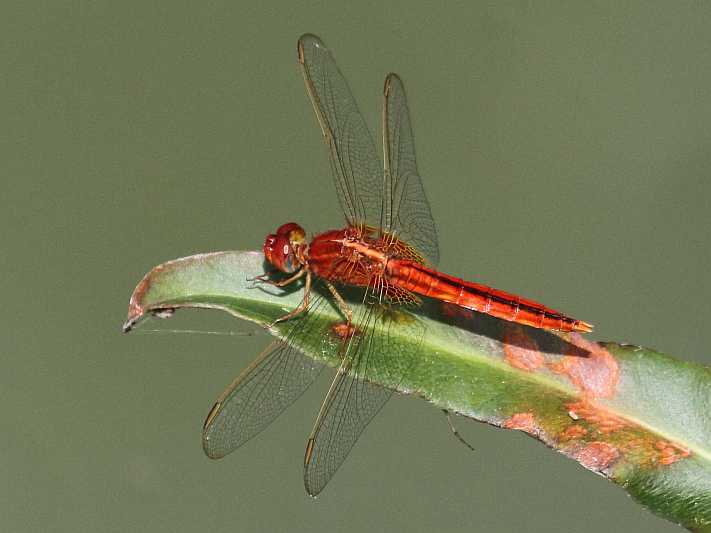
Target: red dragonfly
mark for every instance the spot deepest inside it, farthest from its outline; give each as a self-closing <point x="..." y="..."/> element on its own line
<point x="388" y="247"/>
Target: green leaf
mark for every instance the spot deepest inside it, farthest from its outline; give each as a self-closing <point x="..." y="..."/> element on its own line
<point x="635" y="416"/>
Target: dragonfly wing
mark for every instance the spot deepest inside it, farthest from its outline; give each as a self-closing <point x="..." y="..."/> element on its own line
<point x="355" y="164"/>
<point x="353" y="398"/>
<point x="407" y="212"/>
<point x="271" y="383"/>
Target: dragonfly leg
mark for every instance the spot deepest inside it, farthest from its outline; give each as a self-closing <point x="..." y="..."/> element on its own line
<point x="264" y="278"/>
<point x="342" y="305"/>
<point x="304" y="305"/>
<point x="454" y="430"/>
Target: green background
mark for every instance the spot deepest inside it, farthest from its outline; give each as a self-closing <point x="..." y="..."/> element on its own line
<point x="566" y="154"/>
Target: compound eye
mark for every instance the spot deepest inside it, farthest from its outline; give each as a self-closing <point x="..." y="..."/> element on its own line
<point x="268" y="248"/>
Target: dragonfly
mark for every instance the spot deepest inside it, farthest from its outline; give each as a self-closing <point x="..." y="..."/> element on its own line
<point x="388" y="249"/>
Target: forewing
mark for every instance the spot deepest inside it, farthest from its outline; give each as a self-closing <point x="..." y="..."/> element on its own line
<point x="353" y="399"/>
<point x="406" y="209"/>
<point x="356" y="170"/>
<point x="272" y="382"/>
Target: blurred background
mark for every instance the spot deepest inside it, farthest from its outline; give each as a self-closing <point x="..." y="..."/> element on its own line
<point x="565" y="151"/>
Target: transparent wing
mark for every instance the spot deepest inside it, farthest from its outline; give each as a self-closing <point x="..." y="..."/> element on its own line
<point x="353" y="399"/>
<point x="272" y="382"/>
<point x="406" y="209"/>
<point x="355" y="165"/>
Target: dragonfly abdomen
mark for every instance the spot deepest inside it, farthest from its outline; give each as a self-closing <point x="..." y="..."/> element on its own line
<point x="424" y="281"/>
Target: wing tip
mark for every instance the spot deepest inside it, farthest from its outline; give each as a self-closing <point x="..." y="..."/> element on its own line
<point x="206" y="443"/>
<point x="391" y="79"/>
<point x="208" y="450"/>
<point x="307" y="39"/>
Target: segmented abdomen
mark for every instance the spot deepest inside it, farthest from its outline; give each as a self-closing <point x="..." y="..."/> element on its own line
<point x="424" y="281"/>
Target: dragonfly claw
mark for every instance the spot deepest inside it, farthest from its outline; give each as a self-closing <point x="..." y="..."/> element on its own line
<point x="258" y="280"/>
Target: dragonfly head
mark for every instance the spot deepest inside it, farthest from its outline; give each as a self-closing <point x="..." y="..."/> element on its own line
<point x="281" y="248"/>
